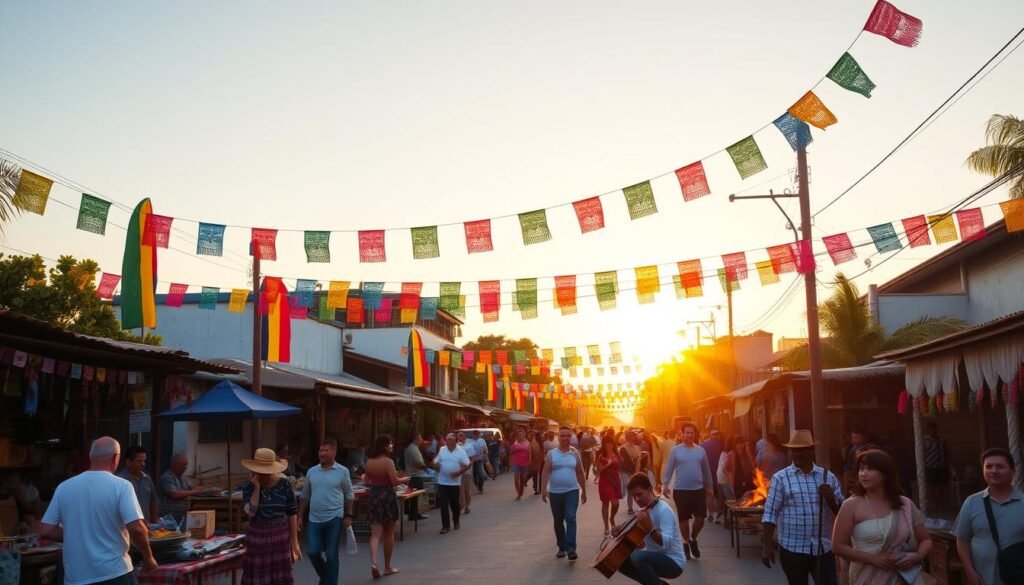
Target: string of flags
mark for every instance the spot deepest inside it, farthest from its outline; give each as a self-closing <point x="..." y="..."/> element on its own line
<point x="794" y="126"/>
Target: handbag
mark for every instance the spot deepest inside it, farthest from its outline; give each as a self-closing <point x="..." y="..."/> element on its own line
<point x="1010" y="560"/>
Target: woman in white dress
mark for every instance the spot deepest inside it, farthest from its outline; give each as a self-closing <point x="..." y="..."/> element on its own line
<point x="879" y="532"/>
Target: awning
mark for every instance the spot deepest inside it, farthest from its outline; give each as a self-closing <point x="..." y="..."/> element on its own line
<point x="370" y="397"/>
<point x="450" y="403"/>
<point x="878" y="370"/>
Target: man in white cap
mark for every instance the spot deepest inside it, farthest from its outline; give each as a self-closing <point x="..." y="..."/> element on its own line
<point x="797" y="498"/>
<point x="94" y="514"/>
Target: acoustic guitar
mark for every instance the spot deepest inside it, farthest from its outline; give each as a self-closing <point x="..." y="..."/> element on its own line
<point x="617" y="549"/>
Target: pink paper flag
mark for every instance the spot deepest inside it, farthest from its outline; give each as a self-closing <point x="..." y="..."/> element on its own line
<point x="972" y="224"/>
<point x="782" y="258"/>
<point x="176" y="295"/>
<point x="735" y="266"/>
<point x="371" y="246"/>
<point x="108" y="282"/>
<point x="157" y="231"/>
<point x="840" y="249"/>
<point x="478" y="236"/>
<point x="804" y="254"/>
<point x="895" y="25"/>
<point x="264" y="243"/>
<point x="590" y="214"/>
<point x="490" y="299"/>
<point x="692" y="181"/>
<point x="382" y="315"/>
<point x="917" y="231"/>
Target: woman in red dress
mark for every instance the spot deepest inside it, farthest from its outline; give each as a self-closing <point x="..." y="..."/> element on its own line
<point x="609" y="484"/>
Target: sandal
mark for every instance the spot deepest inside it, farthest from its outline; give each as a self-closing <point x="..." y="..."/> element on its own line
<point x="374" y="572"/>
<point x="390" y="571"/>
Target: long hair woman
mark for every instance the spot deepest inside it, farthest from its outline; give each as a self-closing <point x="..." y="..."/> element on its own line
<point x="519" y="457"/>
<point x="609" y="483"/>
<point x="382" y="504"/>
<point x="536" y="459"/>
<point x="272" y="538"/>
<point x="878" y="531"/>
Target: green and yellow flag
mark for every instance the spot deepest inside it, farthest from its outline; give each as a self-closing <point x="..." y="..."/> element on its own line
<point x="138" y="273"/>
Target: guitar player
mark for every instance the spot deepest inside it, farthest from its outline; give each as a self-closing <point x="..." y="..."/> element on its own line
<point x="661" y="554"/>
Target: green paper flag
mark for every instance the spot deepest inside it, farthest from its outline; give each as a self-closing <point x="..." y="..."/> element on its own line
<point x="92" y="214"/>
<point x="640" y="200"/>
<point x="535" y="227"/>
<point x="449" y="296"/>
<point x="326" y="311"/>
<point x="848" y="75"/>
<point x="424" y="242"/>
<point x="606" y="286"/>
<point x="318" y="246"/>
<point x="208" y="298"/>
<point x="455" y="360"/>
<point x="726" y="283"/>
<point x="524" y="299"/>
<point x="460" y="310"/>
<point x="747" y="157"/>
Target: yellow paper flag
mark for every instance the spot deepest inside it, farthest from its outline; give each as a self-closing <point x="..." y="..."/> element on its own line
<point x="943" y="228"/>
<point x="647" y="283"/>
<point x="337" y="294"/>
<point x="767" y="273"/>
<point x="33" y="192"/>
<point x="238" y="297"/>
<point x="1013" y="213"/>
<point x="481" y="367"/>
<point x="443" y="358"/>
<point x="810" y="109"/>
<point x="408" y="316"/>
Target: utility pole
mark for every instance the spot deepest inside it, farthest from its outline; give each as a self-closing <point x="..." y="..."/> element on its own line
<point x="257" y="346"/>
<point x="818" y="412"/>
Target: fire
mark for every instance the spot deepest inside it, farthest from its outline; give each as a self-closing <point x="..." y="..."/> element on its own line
<point x="758" y="495"/>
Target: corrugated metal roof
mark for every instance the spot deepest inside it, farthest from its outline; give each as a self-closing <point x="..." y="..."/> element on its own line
<point x="294" y="378"/>
<point x="872" y="371"/>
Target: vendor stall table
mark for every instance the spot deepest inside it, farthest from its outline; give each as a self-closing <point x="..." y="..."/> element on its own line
<point x="219" y="504"/>
<point x="193" y="572"/>
<point x="733" y="514"/>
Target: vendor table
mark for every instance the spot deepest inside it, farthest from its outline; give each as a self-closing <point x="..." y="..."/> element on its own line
<point x="219" y="504"/>
<point x="733" y="513"/>
<point x="193" y="572"/>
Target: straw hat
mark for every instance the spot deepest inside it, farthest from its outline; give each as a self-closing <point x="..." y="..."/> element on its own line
<point x="801" y="439"/>
<point x="265" y="461"/>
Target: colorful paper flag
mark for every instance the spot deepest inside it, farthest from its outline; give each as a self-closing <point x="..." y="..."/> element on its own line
<point x="692" y="181"/>
<point x="32" y="193"/>
<point x="485" y="356"/>
<point x="691" y="277"/>
<point x="916" y="229"/>
<point x="157" y="231"/>
<point x="782" y="258"/>
<point x="382" y="314"/>
<point x="766" y="272"/>
<point x="236" y="303"/>
<point x="492" y="386"/>
<point x="277" y="321"/>
<point x="337" y="294"/>
<point x="810" y="109"/>
<point x="326" y="312"/>
<point x="428" y="308"/>
<point x="606" y="287"/>
<point x="318" y="246"/>
<point x="735" y="266"/>
<point x="354" y="311"/>
<point x="210" y="241"/>
<point x="589" y="213"/>
<point x="1013" y="214"/>
<point x="972" y="224"/>
<point x="885" y="238"/>
<point x="298" y="311"/>
<point x="305" y="290"/>
<point x="534" y="225"/>
<point x="92" y="214"/>
<point x="138" y="273"/>
<point x="490" y="299"/>
<point x="746" y="155"/>
<point x="565" y="291"/>
<point x="525" y="297"/>
<point x="478" y="236"/>
<point x="847" y="74"/>
<point x="373" y="293"/>
<point x="409" y="298"/>
<point x="726" y="282"/>
<point x="803" y="252"/>
<point x="264" y="243"/>
<point x="424" y="242"/>
<point x="640" y="200"/>
<point x="108" y="282"/>
<point x="943" y="228"/>
<point x="797" y="133"/>
<point x="371" y="246"/>
<point x="417" y="369"/>
<point x="899" y="27"/>
<point x="648" y="283"/>
<point x="176" y="295"/>
<point x="450" y="296"/>
<point x="840" y="249"/>
<point x="208" y="298"/>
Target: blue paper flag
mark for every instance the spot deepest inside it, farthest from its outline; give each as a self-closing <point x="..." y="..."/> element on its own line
<point x="304" y="292"/>
<point x="797" y="133"/>
<point x="211" y="239"/>
<point x="428" y="308"/>
<point x="373" y="293"/>
<point x="885" y="238"/>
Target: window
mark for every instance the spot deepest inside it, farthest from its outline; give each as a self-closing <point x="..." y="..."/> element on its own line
<point x="214" y="431"/>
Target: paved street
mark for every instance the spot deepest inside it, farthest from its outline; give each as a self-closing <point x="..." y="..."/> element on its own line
<point x="509" y="542"/>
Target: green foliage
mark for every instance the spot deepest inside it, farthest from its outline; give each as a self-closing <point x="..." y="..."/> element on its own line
<point x="64" y="295"/>
<point x="1004" y="151"/>
<point x="10" y="174"/>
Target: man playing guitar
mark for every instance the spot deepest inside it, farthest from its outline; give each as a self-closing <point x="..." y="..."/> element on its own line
<point x="661" y="554"/>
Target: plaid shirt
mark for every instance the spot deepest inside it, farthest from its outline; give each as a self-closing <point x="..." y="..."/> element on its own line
<point x="793" y="506"/>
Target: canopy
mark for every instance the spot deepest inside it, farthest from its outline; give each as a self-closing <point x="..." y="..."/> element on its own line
<point x="229" y="401"/>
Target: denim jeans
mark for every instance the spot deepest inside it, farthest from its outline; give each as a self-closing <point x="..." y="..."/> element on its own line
<point x="798" y="567"/>
<point x="126" y="579"/>
<point x="496" y="464"/>
<point x="323" y="541"/>
<point x="479" y="475"/>
<point x="647" y="567"/>
<point x="563" y="510"/>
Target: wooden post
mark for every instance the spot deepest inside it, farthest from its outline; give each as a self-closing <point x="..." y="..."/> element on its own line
<point x="1016" y="448"/>
<point x="257" y="345"/>
<point x="922" y="486"/>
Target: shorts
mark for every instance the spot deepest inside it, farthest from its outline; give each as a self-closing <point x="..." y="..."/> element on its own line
<point x="936" y="476"/>
<point x="520" y="469"/>
<point x="690" y="504"/>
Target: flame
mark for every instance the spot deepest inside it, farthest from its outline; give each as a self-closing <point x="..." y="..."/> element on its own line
<point x="759" y="494"/>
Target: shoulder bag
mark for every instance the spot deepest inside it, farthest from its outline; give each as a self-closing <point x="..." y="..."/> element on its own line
<point x="1010" y="559"/>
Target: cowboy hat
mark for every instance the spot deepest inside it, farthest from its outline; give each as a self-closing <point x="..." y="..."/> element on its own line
<point x="800" y="439"/>
<point x="265" y="461"/>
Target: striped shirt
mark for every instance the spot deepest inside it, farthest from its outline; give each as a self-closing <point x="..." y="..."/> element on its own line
<point x="276" y="501"/>
<point x="793" y="506"/>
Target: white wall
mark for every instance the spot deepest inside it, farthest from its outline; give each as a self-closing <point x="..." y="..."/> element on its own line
<point x="895" y="311"/>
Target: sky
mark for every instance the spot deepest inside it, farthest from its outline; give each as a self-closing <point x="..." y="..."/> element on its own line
<point x="371" y="115"/>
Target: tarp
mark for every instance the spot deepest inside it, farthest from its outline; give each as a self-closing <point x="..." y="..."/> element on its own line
<point x="229" y="401"/>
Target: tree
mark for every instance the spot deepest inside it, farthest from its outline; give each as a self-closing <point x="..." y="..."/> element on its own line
<point x="10" y="174"/>
<point x="64" y="295"/>
<point x="1004" y="151"/>
<point x="852" y="338"/>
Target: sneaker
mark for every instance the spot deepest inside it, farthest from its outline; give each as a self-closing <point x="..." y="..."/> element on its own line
<point x="560" y="554"/>
<point x="572" y="556"/>
<point x="686" y="550"/>
<point x="694" y="549"/>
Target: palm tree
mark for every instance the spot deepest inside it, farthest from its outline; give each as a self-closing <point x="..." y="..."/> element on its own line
<point x="10" y="174"/>
<point x="852" y="338"/>
<point x="1004" y="152"/>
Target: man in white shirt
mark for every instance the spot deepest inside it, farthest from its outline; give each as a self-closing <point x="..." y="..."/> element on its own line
<point x="327" y="492"/>
<point x="662" y="555"/>
<point x="451" y="462"/>
<point x="95" y="513"/>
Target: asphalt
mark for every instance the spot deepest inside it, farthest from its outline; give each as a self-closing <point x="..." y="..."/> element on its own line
<point x="510" y="542"/>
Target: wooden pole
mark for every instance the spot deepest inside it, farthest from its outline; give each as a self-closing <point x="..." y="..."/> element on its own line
<point x="227" y="435"/>
<point x="257" y="346"/>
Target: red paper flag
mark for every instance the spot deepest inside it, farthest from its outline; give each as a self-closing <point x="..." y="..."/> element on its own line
<point x="917" y="231"/>
<point x="371" y="246"/>
<point x="382" y="314"/>
<point x="590" y="214"/>
<point x="972" y="224"/>
<point x="297" y="309"/>
<point x="490" y="299"/>
<point x="264" y="243"/>
<point x="157" y="231"/>
<point x="478" y="236"/>
<point x="565" y="291"/>
<point x="895" y="25"/>
<point x="782" y="258"/>
<point x="354" y="311"/>
<point x="501" y="356"/>
<point x="804" y="254"/>
<point x="410" y="296"/>
<point x="691" y="275"/>
<point x="840" y="249"/>
<point x="176" y="295"/>
<point x="108" y="282"/>
<point x="692" y="181"/>
<point x="735" y="266"/>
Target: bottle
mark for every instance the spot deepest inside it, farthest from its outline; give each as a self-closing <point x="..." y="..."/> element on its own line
<point x="350" y="541"/>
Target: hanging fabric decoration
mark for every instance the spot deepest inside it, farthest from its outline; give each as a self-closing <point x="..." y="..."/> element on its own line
<point x="484" y="356"/>
<point x="766" y="273"/>
<point x="468" y="358"/>
<point x="492" y="386"/>
<point x="32" y="193"/>
<point x="208" y="298"/>
<point x="236" y="303"/>
<point x="382" y="314"/>
<point x="138" y="273"/>
<point x="525" y="297"/>
<point x="916" y="229"/>
<point x="373" y="293"/>
<point x="501" y="356"/>
<point x="589" y="213"/>
<point x="108" y="282"/>
<point x="277" y="321"/>
<point x="648" y="283"/>
<point x="606" y="287"/>
<point x="640" y="200"/>
<point x="371" y="246"/>
<point x="428" y="308"/>
<point x="450" y="296"/>
<point x="803" y="252"/>
<point x="354" y="311"/>
<point x="746" y="155"/>
<point x="305" y="290"/>
<point x="534" y="225"/>
<point x="490" y="299"/>
<point x="157" y="231"/>
<point x="210" y="241"/>
<point x="460" y="311"/>
<point x="175" y="295"/>
<point x="899" y="27"/>
<point x="782" y="258"/>
<point x="796" y="132"/>
<point x="943" y="228"/>
<point x="691" y="277"/>
<point x="325" y="312"/>
<point x="264" y="243"/>
<point x="840" y="249"/>
<point x="507" y="395"/>
<point x="337" y="294"/>
<point x="409" y="302"/>
<point x="478" y="236"/>
<point x="885" y="238"/>
<point x="847" y="74"/>
<point x="92" y="214"/>
<point x="728" y="284"/>
<point x="810" y="109"/>
<point x="318" y="246"/>
<point x="444" y="358"/>
<point x="417" y="370"/>
<point x="972" y="224"/>
<point x="692" y="181"/>
<point x="297" y="310"/>
<point x="1013" y="214"/>
<point x="424" y="243"/>
<point x="565" y="293"/>
<point x="735" y="266"/>
<point x="903" y="402"/>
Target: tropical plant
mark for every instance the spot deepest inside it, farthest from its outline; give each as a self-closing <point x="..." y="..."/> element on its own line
<point x="850" y="337"/>
<point x="10" y="174"/>
<point x="1004" y="151"/>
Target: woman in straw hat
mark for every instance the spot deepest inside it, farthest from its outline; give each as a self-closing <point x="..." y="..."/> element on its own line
<point x="272" y="539"/>
<point x="382" y="504"/>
